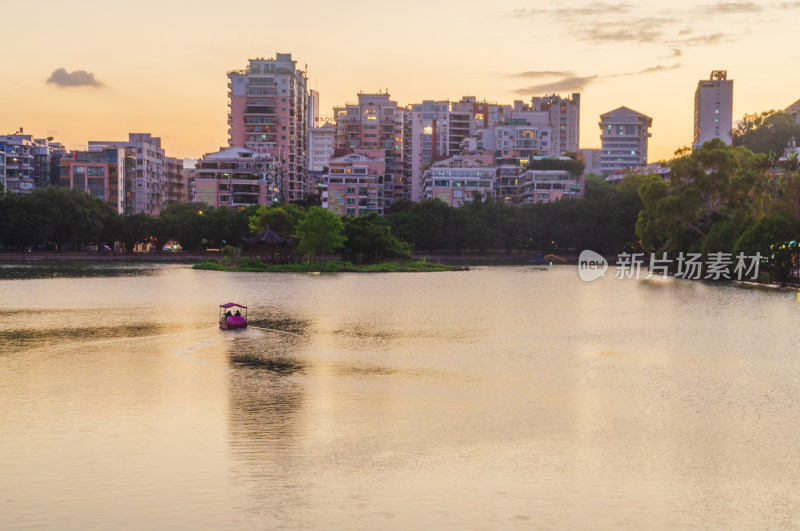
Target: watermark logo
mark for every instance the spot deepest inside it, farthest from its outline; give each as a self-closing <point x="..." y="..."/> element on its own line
<point x="591" y="266"/>
<point x="717" y="266"/>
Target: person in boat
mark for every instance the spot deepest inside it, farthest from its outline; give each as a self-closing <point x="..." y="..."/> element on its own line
<point x="227" y="314"/>
<point x="238" y="313"/>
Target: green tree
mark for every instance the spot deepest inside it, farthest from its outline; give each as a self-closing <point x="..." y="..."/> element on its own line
<point x="704" y="187"/>
<point x="775" y="238"/>
<point x="724" y="234"/>
<point x="320" y="232"/>
<point x="764" y="132"/>
<point x="369" y="238"/>
<point x="422" y="224"/>
<point x="574" y="167"/>
<point x="282" y="219"/>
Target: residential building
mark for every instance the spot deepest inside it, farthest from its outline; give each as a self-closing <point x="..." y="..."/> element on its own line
<point x="46" y="156"/>
<point x="32" y="163"/>
<point x="591" y="158"/>
<point x="313" y="109"/>
<point x="353" y="183"/>
<point x="459" y="179"/>
<point x="150" y="187"/>
<point x="3" y="170"/>
<point x="564" y="120"/>
<point x="177" y="183"/>
<point x="436" y="130"/>
<point x="100" y="172"/>
<point x="549" y="126"/>
<point x="269" y="115"/>
<point x="544" y="186"/>
<point x="320" y="147"/>
<point x="376" y="122"/>
<point x="19" y="166"/>
<point x="235" y="177"/>
<point x="624" y="135"/>
<point x="713" y="109"/>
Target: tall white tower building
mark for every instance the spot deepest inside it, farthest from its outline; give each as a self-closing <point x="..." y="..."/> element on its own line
<point x="713" y="109"/>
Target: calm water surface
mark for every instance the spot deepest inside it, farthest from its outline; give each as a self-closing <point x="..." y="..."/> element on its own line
<point x="497" y="398"/>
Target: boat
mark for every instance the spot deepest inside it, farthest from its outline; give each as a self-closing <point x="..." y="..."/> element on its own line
<point x="228" y="320"/>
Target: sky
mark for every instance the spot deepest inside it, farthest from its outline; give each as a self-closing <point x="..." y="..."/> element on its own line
<point x="96" y="70"/>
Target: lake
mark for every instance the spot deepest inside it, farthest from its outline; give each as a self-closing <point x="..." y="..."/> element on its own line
<point x="506" y="397"/>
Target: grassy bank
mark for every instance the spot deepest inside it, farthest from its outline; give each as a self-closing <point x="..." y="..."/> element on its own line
<point x="328" y="267"/>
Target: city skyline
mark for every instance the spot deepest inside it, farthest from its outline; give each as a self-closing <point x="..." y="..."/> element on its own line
<point x="164" y="70"/>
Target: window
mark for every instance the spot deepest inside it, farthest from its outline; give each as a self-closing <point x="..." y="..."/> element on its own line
<point x="224" y="198"/>
<point x="351" y="190"/>
<point x="351" y="200"/>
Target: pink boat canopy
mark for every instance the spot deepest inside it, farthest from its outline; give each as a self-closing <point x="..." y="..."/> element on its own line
<point x="231" y="305"/>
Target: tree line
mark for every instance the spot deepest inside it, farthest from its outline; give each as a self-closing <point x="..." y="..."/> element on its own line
<point x="54" y="218"/>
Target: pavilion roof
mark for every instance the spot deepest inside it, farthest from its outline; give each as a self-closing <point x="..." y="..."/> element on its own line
<point x="269" y="238"/>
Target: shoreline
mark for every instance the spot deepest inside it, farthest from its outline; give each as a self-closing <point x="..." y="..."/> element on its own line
<point x="449" y="263"/>
<point x="330" y="267"/>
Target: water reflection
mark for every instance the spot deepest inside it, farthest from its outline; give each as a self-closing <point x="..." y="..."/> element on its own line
<point x="266" y="395"/>
<point x="26" y="338"/>
<point x="87" y="269"/>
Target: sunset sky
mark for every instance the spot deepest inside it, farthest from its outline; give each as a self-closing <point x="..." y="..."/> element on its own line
<point x="85" y="70"/>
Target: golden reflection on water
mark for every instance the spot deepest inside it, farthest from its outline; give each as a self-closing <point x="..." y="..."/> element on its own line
<point x="495" y="398"/>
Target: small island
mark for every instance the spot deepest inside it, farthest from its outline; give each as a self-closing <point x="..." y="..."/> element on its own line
<point x="248" y="265"/>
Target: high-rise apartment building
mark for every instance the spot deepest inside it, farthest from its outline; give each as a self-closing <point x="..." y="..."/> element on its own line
<point x="20" y="173"/>
<point x="354" y="183"/>
<point x="46" y="155"/>
<point x="713" y="109"/>
<point x="624" y="135"/>
<point x="158" y="179"/>
<point x="320" y="147"/>
<point x="564" y="117"/>
<point x="31" y="162"/>
<point x="376" y="122"/>
<point x="269" y="114"/>
<point x="313" y="109"/>
<point x="177" y="189"/>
